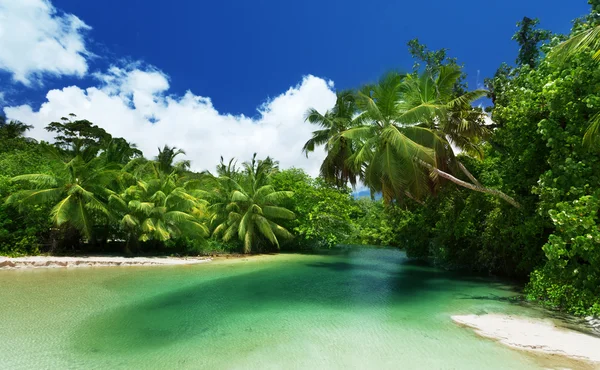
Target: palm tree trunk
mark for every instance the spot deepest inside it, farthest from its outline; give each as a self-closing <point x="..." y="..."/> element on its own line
<point x="128" y="243"/>
<point x="474" y="187"/>
<point x="469" y="175"/>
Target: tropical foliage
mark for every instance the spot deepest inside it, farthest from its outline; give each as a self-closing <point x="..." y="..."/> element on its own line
<point x="159" y="209"/>
<point x="100" y="193"/>
<point x="336" y="168"/>
<point x="535" y="152"/>
<point x="324" y="213"/>
<point x="510" y="190"/>
<point x="250" y="208"/>
<point x="76" y="193"/>
<point x="400" y="135"/>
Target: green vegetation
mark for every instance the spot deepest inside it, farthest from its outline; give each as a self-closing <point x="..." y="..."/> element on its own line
<point x="249" y="206"/>
<point x="510" y="190"/>
<point x="534" y="214"/>
<point x="90" y="192"/>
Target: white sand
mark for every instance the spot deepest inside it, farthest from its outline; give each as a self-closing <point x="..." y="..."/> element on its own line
<point x="91" y="261"/>
<point x="534" y="335"/>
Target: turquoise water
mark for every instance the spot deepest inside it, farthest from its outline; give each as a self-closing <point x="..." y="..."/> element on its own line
<point x="361" y="309"/>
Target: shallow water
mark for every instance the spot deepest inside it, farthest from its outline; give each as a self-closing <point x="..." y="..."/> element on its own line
<point x="364" y="308"/>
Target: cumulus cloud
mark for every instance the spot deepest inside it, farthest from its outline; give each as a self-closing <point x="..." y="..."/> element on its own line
<point x="133" y="102"/>
<point x="35" y="39"/>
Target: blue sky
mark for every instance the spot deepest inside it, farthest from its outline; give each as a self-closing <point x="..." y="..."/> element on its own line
<point x="241" y="55"/>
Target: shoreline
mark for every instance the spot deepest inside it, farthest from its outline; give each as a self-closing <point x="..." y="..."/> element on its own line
<point x="36" y="262"/>
<point x="541" y="336"/>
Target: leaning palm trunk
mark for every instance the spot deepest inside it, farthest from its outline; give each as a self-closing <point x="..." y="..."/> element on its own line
<point x="476" y="187"/>
<point x="469" y="175"/>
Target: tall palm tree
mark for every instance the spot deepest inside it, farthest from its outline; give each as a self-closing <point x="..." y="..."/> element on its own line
<point x="78" y="191"/>
<point x="250" y="209"/>
<point x="405" y="144"/>
<point x="335" y="168"/>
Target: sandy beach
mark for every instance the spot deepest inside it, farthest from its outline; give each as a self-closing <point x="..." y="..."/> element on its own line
<point x="94" y="261"/>
<point x="537" y="335"/>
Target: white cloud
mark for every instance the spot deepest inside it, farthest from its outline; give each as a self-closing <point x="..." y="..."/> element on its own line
<point x="130" y="99"/>
<point x="35" y="40"/>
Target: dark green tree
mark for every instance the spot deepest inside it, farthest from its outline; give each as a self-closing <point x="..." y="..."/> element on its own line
<point x="529" y="38"/>
<point x="78" y="137"/>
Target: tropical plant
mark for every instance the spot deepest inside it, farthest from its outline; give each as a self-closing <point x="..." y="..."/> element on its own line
<point x="323" y="211"/>
<point x="341" y="117"/>
<point x="529" y="37"/>
<point x="250" y="207"/>
<point x="159" y="209"/>
<point x="78" y="137"/>
<point x="12" y="129"/>
<point x="410" y="123"/>
<point x="119" y="151"/>
<point x="581" y="41"/>
<point x="166" y="160"/>
<point x="586" y="36"/>
<point x="78" y="191"/>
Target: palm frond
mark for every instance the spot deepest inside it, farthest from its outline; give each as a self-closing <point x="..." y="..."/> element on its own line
<point x="578" y="43"/>
<point x="148" y="226"/>
<point x="177" y="216"/>
<point x="61" y="212"/>
<point x="38" y="179"/>
<point x="467" y="98"/>
<point x="25" y="198"/>
<point x="238" y="196"/>
<point x="278" y="196"/>
<point x="591" y="138"/>
<point x="278" y="212"/>
<point x="130" y="221"/>
<point x="280" y="231"/>
<point x="265" y="229"/>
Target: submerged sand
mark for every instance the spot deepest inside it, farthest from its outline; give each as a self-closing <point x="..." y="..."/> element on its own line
<point x="537" y="335"/>
<point x="93" y="261"/>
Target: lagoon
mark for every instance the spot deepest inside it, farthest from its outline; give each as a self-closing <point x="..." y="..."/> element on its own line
<point x="362" y="308"/>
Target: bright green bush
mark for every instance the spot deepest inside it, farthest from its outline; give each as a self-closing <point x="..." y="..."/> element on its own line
<point x="570" y="279"/>
<point x="373" y="223"/>
<point x="323" y="212"/>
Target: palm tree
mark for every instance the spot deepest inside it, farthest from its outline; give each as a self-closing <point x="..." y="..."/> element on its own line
<point x="12" y="129"/>
<point x="166" y="157"/>
<point x="335" y="168"/>
<point x="451" y="118"/>
<point x="249" y="208"/>
<point x="159" y="209"/>
<point x="404" y="147"/>
<point x="78" y="191"/>
<point x="118" y="150"/>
